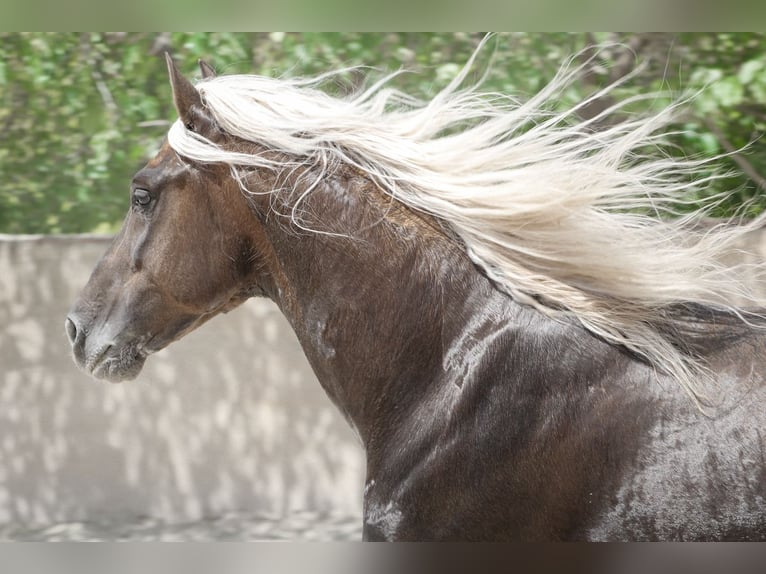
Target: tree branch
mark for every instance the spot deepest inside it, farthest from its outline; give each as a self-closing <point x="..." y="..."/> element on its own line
<point x="735" y="154"/>
<point x="94" y="62"/>
<point x="624" y="64"/>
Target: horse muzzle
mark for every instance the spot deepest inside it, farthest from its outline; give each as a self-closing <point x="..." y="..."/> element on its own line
<point x="103" y="354"/>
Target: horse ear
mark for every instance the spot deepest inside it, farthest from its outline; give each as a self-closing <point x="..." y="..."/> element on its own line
<point x="185" y="95"/>
<point x="207" y="70"/>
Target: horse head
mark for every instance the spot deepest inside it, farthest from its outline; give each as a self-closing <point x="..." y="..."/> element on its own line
<point x="187" y="250"/>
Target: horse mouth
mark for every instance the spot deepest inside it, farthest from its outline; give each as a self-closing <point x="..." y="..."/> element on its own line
<point x="114" y="364"/>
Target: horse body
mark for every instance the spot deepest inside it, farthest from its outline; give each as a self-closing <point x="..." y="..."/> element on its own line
<point x="466" y="437"/>
<point x="482" y="418"/>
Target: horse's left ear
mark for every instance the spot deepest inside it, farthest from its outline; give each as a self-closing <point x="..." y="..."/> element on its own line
<point x="185" y="95"/>
<point x="206" y="69"/>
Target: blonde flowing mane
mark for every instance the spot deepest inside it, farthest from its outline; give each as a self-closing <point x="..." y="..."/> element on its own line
<point x="570" y="216"/>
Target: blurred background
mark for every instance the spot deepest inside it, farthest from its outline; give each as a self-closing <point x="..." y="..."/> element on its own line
<point x="227" y="435"/>
<point x="79" y="113"/>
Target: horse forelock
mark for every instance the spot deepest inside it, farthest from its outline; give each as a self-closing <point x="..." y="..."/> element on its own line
<point x="559" y="214"/>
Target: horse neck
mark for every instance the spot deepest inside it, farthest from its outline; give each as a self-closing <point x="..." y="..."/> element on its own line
<point x="377" y="305"/>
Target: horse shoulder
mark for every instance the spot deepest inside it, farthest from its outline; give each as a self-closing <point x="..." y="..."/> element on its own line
<point x="516" y="433"/>
<point x="540" y="431"/>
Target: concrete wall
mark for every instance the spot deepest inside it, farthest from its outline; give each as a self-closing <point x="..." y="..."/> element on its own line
<point x="228" y="420"/>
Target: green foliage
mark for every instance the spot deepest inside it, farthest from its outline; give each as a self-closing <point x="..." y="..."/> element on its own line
<point x="81" y="112"/>
<point x="71" y="113"/>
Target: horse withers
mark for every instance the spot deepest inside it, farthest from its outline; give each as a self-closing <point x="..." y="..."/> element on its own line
<point x="521" y="356"/>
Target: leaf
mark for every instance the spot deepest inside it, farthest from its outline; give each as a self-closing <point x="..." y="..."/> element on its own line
<point x="729" y="92"/>
<point x="749" y="69"/>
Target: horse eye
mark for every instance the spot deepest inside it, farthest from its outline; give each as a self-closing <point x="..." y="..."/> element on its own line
<point x="142" y="197"/>
<point x="189" y="126"/>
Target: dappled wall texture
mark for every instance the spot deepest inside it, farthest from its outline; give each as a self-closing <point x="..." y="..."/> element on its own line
<point x="228" y="420"/>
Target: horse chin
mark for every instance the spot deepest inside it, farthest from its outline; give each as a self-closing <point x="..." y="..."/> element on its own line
<point x="118" y="367"/>
<point x="117" y="374"/>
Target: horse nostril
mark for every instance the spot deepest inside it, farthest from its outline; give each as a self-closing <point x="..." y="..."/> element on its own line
<point x="71" y="330"/>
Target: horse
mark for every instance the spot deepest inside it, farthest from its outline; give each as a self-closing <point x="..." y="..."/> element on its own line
<point x="483" y="288"/>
